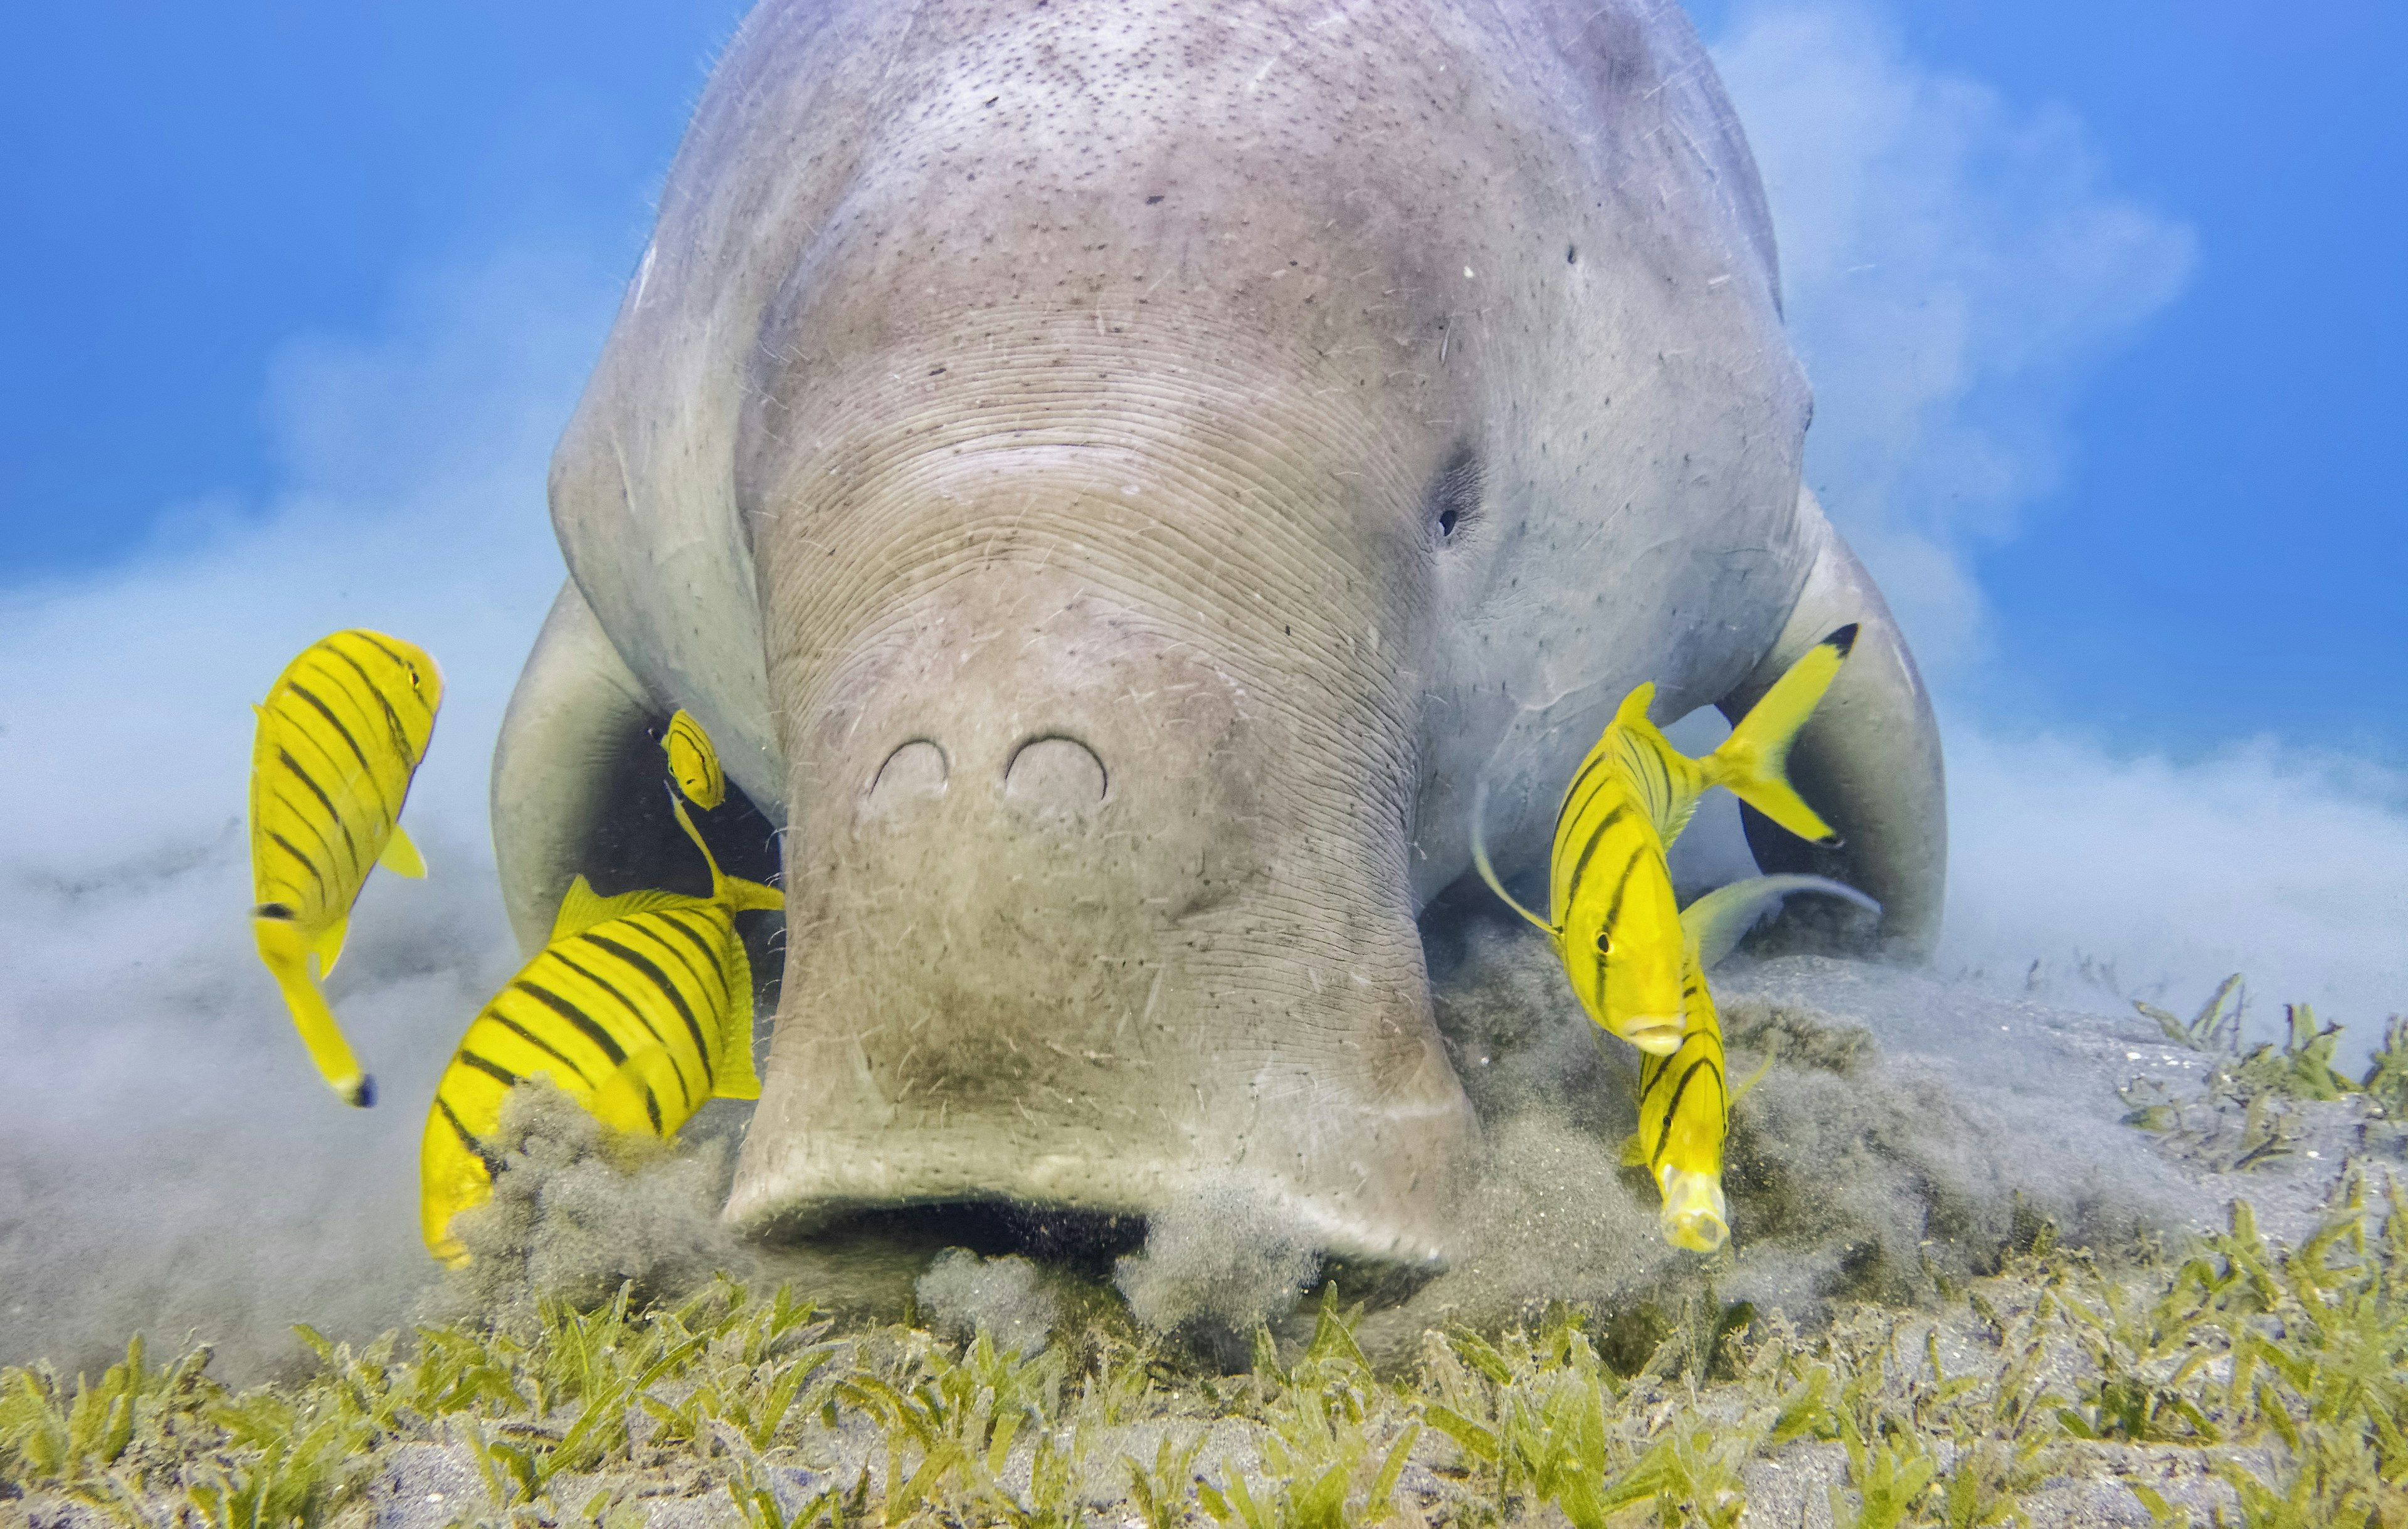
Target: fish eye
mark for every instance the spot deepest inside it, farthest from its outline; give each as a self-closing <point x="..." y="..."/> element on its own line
<point x="1604" y="946"/>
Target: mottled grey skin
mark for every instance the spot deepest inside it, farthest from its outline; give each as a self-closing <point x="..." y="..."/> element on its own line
<point x="1111" y="477"/>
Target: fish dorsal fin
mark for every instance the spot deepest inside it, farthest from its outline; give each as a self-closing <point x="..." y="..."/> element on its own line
<point x="328" y="945"/>
<point x="401" y="857"/>
<point x="1715" y="924"/>
<point x="1632" y="713"/>
<point x="583" y="907"/>
<point x="630" y="1099"/>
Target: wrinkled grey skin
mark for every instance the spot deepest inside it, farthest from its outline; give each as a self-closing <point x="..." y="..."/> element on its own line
<point x="1111" y="477"/>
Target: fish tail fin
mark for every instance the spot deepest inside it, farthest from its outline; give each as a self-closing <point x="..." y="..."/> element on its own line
<point x="1487" y="871"/>
<point x="1754" y="762"/>
<point x="1716" y="922"/>
<point x="286" y="954"/>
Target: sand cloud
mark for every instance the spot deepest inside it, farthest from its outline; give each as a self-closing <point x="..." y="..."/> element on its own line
<point x="167" y="1157"/>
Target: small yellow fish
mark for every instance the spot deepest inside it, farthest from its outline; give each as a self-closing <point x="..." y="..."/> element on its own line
<point x="1684" y="1097"/>
<point x="640" y="1008"/>
<point x="694" y="763"/>
<point x="1617" y="929"/>
<point x="340" y="738"/>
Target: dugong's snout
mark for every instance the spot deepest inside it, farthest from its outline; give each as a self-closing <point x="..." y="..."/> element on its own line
<point x="1077" y="918"/>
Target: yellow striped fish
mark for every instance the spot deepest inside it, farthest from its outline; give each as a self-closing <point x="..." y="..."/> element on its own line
<point x="339" y="736"/>
<point x="1684" y="1097"/>
<point x="694" y="763"/>
<point x="640" y="1008"/>
<point x="1617" y="929"/>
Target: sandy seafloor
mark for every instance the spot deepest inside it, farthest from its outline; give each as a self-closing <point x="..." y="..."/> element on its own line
<point x="1908" y="1130"/>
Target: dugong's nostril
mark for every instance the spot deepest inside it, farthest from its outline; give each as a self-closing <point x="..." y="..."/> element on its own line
<point x="1056" y="775"/>
<point x="913" y="772"/>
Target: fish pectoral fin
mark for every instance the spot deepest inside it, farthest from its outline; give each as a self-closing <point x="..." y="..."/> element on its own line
<point x="583" y="907"/>
<point x="1716" y="922"/>
<point x="629" y="1099"/>
<point x="1634" y="1151"/>
<point x="328" y="946"/>
<point x="401" y="857"/>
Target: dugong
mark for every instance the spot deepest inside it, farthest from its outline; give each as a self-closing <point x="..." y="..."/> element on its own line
<point x="1113" y="477"/>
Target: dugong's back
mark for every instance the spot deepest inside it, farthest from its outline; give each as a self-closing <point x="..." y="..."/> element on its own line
<point x="1112" y="477"/>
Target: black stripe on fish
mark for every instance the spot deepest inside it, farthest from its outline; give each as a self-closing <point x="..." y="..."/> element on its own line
<point x="1621" y="888"/>
<point x="332" y="721"/>
<point x="328" y="803"/>
<point x="412" y="678"/>
<point x="574" y="1015"/>
<point x="1580" y="868"/>
<point x="1568" y="812"/>
<point x="712" y="960"/>
<point x="370" y="638"/>
<point x="1621" y="884"/>
<point x="307" y="863"/>
<point x="1672" y="1107"/>
<point x="540" y="1044"/>
<point x="653" y="1108"/>
<point x="357" y="689"/>
<point x="294" y="811"/>
<point x="658" y="977"/>
<point x="392" y="717"/>
<point x="490" y="1069"/>
<point x="684" y="1089"/>
<point x="469" y="1139"/>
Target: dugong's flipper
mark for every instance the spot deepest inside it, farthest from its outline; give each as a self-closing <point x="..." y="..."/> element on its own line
<point x="577" y="711"/>
<point x="1870" y="758"/>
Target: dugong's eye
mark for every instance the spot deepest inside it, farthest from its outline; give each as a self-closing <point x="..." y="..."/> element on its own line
<point x="1453" y="495"/>
<point x="1604" y="946"/>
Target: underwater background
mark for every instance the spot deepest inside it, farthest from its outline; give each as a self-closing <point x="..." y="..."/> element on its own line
<point x="2102" y="347"/>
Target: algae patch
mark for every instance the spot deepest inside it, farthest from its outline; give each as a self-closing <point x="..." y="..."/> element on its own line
<point x="2240" y="1379"/>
